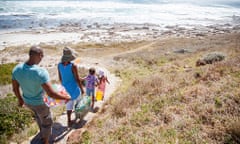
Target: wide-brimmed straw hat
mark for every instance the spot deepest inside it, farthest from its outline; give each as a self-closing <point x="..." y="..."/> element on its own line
<point x="68" y="55"/>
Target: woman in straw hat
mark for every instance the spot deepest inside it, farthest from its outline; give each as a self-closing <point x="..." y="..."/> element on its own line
<point x="69" y="78"/>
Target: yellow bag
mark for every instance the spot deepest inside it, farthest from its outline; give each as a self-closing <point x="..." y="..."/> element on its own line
<point x="99" y="95"/>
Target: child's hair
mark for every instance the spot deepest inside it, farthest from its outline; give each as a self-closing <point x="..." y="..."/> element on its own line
<point x="92" y="70"/>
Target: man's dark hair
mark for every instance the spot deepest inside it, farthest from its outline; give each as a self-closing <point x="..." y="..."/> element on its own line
<point x="35" y="50"/>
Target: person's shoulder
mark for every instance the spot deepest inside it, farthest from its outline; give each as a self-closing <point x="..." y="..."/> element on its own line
<point x="73" y="65"/>
<point x="43" y="69"/>
<point x="18" y="66"/>
<point x="40" y="69"/>
<point x="43" y="73"/>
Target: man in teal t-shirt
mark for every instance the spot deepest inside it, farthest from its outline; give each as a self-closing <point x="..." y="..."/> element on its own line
<point x="33" y="81"/>
<point x="31" y="78"/>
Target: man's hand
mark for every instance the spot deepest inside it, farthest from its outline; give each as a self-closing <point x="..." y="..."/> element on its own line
<point x="20" y="102"/>
<point x="16" y="87"/>
<point x="68" y="98"/>
<point x="49" y="90"/>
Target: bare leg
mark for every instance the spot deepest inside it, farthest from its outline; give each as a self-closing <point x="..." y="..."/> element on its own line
<point x="69" y="113"/>
<point x="45" y="141"/>
<point x="92" y="106"/>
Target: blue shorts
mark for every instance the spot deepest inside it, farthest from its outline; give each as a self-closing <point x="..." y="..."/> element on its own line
<point x="90" y="92"/>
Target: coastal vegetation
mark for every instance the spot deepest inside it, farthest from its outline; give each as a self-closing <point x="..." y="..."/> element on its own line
<point x="5" y="72"/>
<point x="178" y="64"/>
<point x="165" y="98"/>
<point x="13" y="118"/>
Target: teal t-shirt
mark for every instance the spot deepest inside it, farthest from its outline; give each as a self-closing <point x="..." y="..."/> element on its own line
<point x="31" y="79"/>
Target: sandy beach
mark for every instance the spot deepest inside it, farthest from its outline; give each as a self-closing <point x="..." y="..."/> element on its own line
<point x="13" y="42"/>
<point x="107" y="34"/>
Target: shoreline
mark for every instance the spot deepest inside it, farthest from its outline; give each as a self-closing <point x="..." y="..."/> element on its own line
<point x="14" y="45"/>
<point x="107" y="33"/>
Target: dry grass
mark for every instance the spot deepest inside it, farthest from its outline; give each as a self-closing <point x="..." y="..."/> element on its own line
<point x="166" y="99"/>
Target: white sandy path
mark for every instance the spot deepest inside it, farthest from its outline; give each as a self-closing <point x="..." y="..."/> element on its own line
<point x="60" y="126"/>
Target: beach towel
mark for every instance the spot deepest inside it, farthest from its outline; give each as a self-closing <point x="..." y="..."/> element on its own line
<point x="51" y="102"/>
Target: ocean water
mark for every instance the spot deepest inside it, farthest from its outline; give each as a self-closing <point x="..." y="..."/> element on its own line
<point x="50" y="14"/>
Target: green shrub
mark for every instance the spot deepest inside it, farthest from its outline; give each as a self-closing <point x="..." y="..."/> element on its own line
<point x="6" y="73"/>
<point x="210" y="58"/>
<point x="86" y="138"/>
<point x="13" y="118"/>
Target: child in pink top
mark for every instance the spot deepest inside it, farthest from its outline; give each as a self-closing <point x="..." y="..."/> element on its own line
<point x="102" y="82"/>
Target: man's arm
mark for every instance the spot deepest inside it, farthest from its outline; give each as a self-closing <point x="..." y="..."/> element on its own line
<point x="16" y="90"/>
<point x="49" y="90"/>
